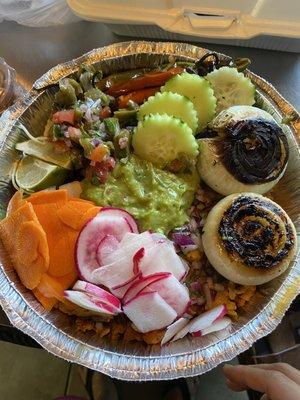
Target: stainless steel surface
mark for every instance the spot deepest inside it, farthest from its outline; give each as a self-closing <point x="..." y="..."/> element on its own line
<point x="190" y="356"/>
<point x="32" y="51"/>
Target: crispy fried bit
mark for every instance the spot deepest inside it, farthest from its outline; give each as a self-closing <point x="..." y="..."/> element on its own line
<point x="234" y="297"/>
<point x="233" y="315"/>
<point x="130" y="335"/>
<point x="72" y="309"/>
<point x="101" y="329"/>
<point x="153" y="337"/>
<point x="193" y="256"/>
<point x="84" y="325"/>
<point x="118" y="328"/>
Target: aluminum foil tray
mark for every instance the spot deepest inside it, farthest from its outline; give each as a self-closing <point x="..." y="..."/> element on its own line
<point x="138" y="362"/>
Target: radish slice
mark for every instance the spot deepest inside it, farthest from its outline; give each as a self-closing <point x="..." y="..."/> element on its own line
<point x="121" y="213"/>
<point x="135" y="238"/>
<point x="106" y="246"/>
<point x="162" y="258"/>
<point x="137" y="259"/>
<point x="149" y="312"/>
<point x="181" y="334"/>
<point x="97" y="292"/>
<point x="216" y="326"/>
<point x="160" y="238"/>
<point x="114" y="275"/>
<point x="206" y="319"/>
<point x="173" y="329"/>
<point x="90" y="237"/>
<point x="141" y="284"/>
<point x="129" y="246"/>
<point x="89" y="303"/>
<point x="173" y="292"/>
<point x="121" y="289"/>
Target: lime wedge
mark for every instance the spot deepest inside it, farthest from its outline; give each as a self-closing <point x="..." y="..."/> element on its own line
<point x="43" y="149"/>
<point x="33" y="174"/>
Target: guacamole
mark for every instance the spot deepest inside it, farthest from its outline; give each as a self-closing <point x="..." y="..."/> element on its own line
<point x="158" y="199"/>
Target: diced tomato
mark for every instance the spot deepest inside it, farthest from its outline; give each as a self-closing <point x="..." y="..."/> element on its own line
<point x="60" y="146"/>
<point x="100" y="170"/>
<point x="64" y="116"/>
<point x="98" y="153"/>
<point x="151" y="79"/>
<point x="138" y="96"/>
<point x="105" y="112"/>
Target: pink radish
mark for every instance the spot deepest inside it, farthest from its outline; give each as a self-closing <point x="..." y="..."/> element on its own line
<point x="159" y="238"/>
<point x="129" y="245"/>
<point x="181" y="334"/>
<point x="162" y="257"/>
<point x="173" y="329"/>
<point x="137" y="260"/>
<point x="97" y="292"/>
<point x="141" y="284"/>
<point x="113" y="275"/>
<point x="90" y="237"/>
<point x="216" y="326"/>
<point x="121" y="289"/>
<point x="89" y="303"/>
<point x="206" y="319"/>
<point x="149" y="312"/>
<point x="121" y="213"/>
<point x="107" y="245"/>
<point x="173" y="292"/>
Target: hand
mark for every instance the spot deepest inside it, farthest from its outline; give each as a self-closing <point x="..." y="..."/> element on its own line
<point x="278" y="381"/>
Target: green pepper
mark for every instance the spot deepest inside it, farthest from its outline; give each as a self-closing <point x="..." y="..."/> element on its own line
<point x="112" y="126"/>
<point x="75" y="85"/>
<point x="78" y="114"/>
<point x="95" y="94"/>
<point x="57" y="131"/>
<point x="126" y="117"/>
<point x="122" y="143"/>
<point x="66" y="96"/>
<point x="87" y="146"/>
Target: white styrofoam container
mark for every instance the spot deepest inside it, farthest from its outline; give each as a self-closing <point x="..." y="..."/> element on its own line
<point x="271" y="24"/>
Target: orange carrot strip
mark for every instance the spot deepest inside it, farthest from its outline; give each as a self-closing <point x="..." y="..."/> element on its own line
<point x="91" y="213"/>
<point x="29" y="255"/>
<point x="71" y="213"/>
<point x="15" y="202"/>
<point x="51" y="287"/>
<point x="60" y="197"/>
<point x="68" y="280"/>
<point x="47" y="302"/>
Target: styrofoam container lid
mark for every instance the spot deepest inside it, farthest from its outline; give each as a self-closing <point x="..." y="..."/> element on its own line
<point x="232" y="19"/>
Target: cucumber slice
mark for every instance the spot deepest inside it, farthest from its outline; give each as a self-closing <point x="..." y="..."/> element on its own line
<point x="231" y="88"/>
<point x="198" y="90"/>
<point x="161" y="139"/>
<point x="172" y="104"/>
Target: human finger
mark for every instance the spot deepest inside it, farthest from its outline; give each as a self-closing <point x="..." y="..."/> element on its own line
<point x="273" y="383"/>
<point x="285" y="368"/>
